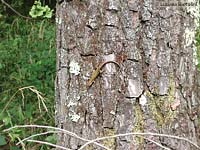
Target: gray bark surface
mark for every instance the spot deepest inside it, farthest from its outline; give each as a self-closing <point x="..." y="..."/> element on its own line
<point x="143" y="93"/>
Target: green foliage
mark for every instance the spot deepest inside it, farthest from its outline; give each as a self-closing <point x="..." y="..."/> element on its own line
<point x="15" y="148"/>
<point x="38" y="10"/>
<point x="51" y="139"/>
<point x="2" y="140"/>
<point x="27" y="68"/>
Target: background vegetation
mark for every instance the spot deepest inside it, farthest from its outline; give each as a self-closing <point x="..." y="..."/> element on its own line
<point x="27" y="72"/>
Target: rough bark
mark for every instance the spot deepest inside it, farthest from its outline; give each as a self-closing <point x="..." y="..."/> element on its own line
<point x="153" y="90"/>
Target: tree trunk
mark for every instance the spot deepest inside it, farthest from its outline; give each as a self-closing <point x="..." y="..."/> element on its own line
<point x="153" y="86"/>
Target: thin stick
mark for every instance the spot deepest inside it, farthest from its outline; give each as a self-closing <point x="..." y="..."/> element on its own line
<point x="35" y="135"/>
<point x="102" y="138"/>
<point x="47" y="143"/>
<point x="14" y="10"/>
<point x="158" y="144"/>
<point x="48" y="132"/>
<point x="22" y="144"/>
<point x="138" y="133"/>
<point x="39" y="96"/>
<point x="34" y="90"/>
<point x="58" y="129"/>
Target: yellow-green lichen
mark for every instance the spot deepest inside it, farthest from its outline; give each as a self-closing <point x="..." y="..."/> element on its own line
<point x="89" y="147"/>
<point x="155" y="105"/>
<point x="110" y="143"/>
<point x="160" y="105"/>
<point x="139" y="123"/>
<point x="171" y="99"/>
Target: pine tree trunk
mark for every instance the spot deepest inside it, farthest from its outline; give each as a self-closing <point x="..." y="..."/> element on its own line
<point x="153" y="88"/>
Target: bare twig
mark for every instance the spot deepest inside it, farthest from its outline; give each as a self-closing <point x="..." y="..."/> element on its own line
<point x="47" y="143"/>
<point x="34" y="90"/>
<point x="14" y="10"/>
<point x="107" y="137"/>
<point x="22" y="144"/>
<point x="158" y="144"/>
<point x="55" y="128"/>
<point x="39" y="96"/>
<point x="138" y="133"/>
<point x="35" y="135"/>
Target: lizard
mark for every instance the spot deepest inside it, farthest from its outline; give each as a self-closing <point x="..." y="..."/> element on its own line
<point x="96" y="72"/>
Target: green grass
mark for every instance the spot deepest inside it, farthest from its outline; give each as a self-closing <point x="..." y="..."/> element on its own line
<point x="27" y="58"/>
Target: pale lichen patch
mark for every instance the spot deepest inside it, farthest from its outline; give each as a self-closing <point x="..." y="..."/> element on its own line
<point x="71" y="103"/>
<point x="74" y="117"/>
<point x="143" y="100"/>
<point x="189" y="36"/>
<point x="74" y="68"/>
<point x="58" y="20"/>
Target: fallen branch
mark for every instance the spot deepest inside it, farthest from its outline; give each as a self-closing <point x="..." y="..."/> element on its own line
<point x="99" y="139"/>
<point x="54" y="128"/>
<point x="14" y="10"/>
<point x="47" y="143"/>
<point x="138" y="133"/>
